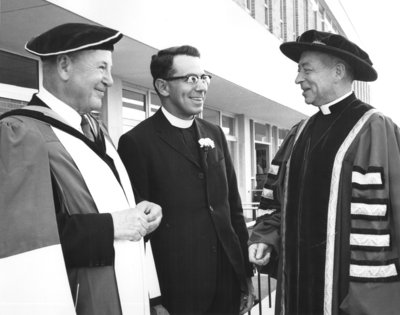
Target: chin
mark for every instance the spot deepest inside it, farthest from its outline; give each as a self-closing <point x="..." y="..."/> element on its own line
<point x="198" y="109"/>
<point x="96" y="106"/>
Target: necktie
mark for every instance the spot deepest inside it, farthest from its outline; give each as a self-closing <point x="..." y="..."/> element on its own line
<point x="87" y="130"/>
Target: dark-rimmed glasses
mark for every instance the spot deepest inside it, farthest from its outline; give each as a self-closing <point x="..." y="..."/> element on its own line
<point x="192" y="79"/>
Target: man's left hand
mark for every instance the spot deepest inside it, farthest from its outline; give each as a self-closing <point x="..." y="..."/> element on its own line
<point x="247" y="298"/>
<point x="158" y="310"/>
<point x="153" y="214"/>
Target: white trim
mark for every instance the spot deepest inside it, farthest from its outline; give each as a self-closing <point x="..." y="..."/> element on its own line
<point x="74" y="49"/>
<point x="371" y="178"/>
<point x="372" y="240"/>
<point x="357" y="208"/>
<point x="373" y="272"/>
<point x="332" y="210"/>
<point x="268" y="193"/>
<point x="274" y="169"/>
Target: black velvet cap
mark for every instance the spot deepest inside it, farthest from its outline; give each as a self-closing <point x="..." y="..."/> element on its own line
<point x="332" y="44"/>
<point x="71" y="37"/>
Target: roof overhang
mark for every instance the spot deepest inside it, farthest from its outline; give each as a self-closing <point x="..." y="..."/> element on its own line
<point x="238" y="85"/>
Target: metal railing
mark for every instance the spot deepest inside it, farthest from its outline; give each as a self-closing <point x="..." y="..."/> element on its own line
<point x="253" y="207"/>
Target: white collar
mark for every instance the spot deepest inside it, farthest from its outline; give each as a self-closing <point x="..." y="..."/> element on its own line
<point x="70" y="115"/>
<point x="175" y="121"/>
<point x="325" y="108"/>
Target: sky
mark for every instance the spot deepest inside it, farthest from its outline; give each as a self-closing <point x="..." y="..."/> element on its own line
<point x="378" y="26"/>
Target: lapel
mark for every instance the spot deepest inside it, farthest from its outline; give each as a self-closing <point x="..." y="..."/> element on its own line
<point x="170" y="135"/>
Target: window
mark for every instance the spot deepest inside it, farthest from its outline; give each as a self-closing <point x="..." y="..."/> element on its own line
<point x="328" y="24"/>
<point x="19" y="71"/>
<point x="315" y="20"/>
<point x="262" y="146"/>
<point x="282" y="133"/>
<point x="262" y="132"/>
<point x="228" y="125"/>
<point x="305" y="7"/>
<point x="282" y="19"/>
<point x="133" y="108"/>
<point x="211" y="116"/>
<point x="295" y="19"/>
<point x="248" y="5"/>
<point x="321" y="17"/>
<point x="275" y="145"/>
<point x="314" y="4"/>
<point x="155" y="103"/>
<point x="19" y="79"/>
<point x="267" y="17"/>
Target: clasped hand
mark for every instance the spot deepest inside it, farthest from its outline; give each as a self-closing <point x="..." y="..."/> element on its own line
<point x="134" y="223"/>
<point x="260" y="253"/>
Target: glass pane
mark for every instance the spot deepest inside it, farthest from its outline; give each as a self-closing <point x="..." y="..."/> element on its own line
<point x="260" y="132"/>
<point x="233" y="152"/>
<point x="268" y="135"/>
<point x="155" y="100"/>
<point x="228" y="125"/>
<point x="18" y="70"/>
<point x="133" y="108"/>
<point x="155" y="103"/>
<point x="211" y="115"/>
<point x="282" y="133"/>
<point x="248" y="4"/>
<point x="231" y="148"/>
<point x="262" y="166"/>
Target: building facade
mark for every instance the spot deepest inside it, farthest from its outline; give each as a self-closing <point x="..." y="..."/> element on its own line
<point x="252" y="96"/>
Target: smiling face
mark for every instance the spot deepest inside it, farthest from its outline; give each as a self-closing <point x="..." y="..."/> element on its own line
<point x="184" y="100"/>
<point x="89" y="78"/>
<point x="316" y="76"/>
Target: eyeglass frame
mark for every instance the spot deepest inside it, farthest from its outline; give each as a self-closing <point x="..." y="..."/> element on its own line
<point x="202" y="77"/>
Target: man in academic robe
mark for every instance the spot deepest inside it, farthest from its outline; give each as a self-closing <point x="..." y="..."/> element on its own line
<point x="331" y="231"/>
<point x="71" y="233"/>
<point x="183" y="164"/>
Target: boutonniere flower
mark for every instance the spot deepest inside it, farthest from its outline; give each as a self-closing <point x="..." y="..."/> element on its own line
<point x="206" y="144"/>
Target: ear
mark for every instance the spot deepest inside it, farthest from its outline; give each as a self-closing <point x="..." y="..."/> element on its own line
<point x="340" y="70"/>
<point x="162" y="87"/>
<point x="64" y="66"/>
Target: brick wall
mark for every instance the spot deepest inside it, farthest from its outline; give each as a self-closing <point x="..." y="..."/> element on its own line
<point x="7" y="104"/>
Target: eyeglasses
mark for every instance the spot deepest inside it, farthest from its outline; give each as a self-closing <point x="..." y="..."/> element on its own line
<point x="192" y="79"/>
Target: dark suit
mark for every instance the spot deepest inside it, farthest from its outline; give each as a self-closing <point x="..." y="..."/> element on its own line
<point x="202" y="212"/>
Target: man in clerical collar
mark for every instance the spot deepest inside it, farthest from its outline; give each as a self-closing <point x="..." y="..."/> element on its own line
<point x="68" y="211"/>
<point x="332" y="229"/>
<point x="182" y="162"/>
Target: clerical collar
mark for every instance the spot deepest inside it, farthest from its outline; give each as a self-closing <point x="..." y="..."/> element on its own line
<point x="325" y="110"/>
<point x="70" y="115"/>
<point x="175" y="121"/>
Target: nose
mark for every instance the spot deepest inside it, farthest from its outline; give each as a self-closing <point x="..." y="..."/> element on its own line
<point x="299" y="78"/>
<point x="107" y="78"/>
<point x="201" y="86"/>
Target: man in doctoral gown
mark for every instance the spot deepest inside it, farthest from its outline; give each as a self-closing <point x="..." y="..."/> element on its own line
<point x="332" y="194"/>
<point x="71" y="233"/>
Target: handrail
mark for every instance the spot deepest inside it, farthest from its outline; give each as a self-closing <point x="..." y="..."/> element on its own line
<point x="253" y="206"/>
